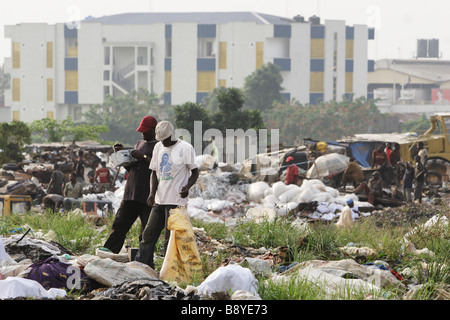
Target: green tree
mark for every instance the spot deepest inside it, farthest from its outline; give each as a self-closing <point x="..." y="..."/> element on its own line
<point x="210" y="102"/>
<point x="263" y="87"/>
<point x="326" y="121"/>
<point x="13" y="138"/>
<point x="419" y="125"/>
<point x="65" y="130"/>
<point x="189" y="112"/>
<point x="231" y="115"/>
<point x="122" y="115"/>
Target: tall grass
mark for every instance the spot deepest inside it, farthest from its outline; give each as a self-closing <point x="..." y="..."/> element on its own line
<point x="321" y="241"/>
<point x="72" y="231"/>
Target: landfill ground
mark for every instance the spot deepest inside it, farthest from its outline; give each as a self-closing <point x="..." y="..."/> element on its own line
<point x="227" y="198"/>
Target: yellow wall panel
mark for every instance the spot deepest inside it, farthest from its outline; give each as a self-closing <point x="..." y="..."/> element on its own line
<point x="49" y="54"/>
<point x="16" y="116"/>
<point x="222" y="83"/>
<point x="71" y="80"/>
<point x="349" y="49"/>
<point x="72" y="52"/>
<point x="222" y="55"/>
<point x="16" y="89"/>
<point x="49" y="89"/>
<point x="259" y="54"/>
<point x="51" y="115"/>
<point x="206" y="81"/>
<point x="168" y="82"/>
<point x="16" y="55"/>
<point x="316" y="82"/>
<point x="317" y="48"/>
<point x="349" y="82"/>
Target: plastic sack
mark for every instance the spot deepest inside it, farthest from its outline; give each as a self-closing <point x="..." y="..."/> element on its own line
<point x="119" y="257"/>
<point x="256" y="191"/>
<point x="205" y="161"/>
<point x="260" y="214"/>
<point x="290" y="194"/>
<point x="278" y="188"/>
<point x="111" y="273"/>
<point x="182" y="260"/>
<point x="52" y="273"/>
<point x="16" y="287"/>
<point x="346" y="218"/>
<point x="230" y="278"/>
<point x="326" y="165"/>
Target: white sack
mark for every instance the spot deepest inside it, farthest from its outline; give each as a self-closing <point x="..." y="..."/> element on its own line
<point x="256" y="191"/>
<point x="15" y="287"/>
<point x="111" y="273"/>
<point x="229" y="279"/>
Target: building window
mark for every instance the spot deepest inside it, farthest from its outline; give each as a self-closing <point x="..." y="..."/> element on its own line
<point x="107" y="56"/>
<point x="106" y="75"/>
<point x="206" y="48"/>
<point x="71" y="48"/>
<point x="168" y="48"/>
<point x="142" y="58"/>
<point x="106" y="91"/>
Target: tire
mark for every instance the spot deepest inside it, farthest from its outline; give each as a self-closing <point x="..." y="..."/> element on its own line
<point x="11" y="166"/>
<point x="438" y="165"/>
<point x="433" y="178"/>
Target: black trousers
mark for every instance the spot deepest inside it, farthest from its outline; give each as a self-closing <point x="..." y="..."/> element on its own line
<point x="156" y="223"/>
<point x="126" y="215"/>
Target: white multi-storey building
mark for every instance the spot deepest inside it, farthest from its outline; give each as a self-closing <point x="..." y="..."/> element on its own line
<point x="59" y="70"/>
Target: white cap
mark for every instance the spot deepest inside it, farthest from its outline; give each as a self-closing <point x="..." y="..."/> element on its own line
<point x="163" y="130"/>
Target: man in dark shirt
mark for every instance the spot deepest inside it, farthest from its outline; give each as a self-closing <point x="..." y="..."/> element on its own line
<point x="78" y="166"/>
<point x="56" y="184"/>
<point x="137" y="187"/>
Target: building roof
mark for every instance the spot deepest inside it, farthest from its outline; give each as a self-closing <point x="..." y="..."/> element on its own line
<point x="432" y="70"/>
<point x="198" y="17"/>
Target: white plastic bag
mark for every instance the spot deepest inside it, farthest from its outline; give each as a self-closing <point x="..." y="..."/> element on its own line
<point x="229" y="279"/>
<point x="256" y="191"/>
<point x="16" y="287"/>
<point x="261" y="213"/>
<point x="278" y="188"/>
<point x="346" y="218"/>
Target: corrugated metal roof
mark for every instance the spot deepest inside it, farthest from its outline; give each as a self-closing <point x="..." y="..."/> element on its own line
<point x="433" y="70"/>
<point x="197" y="17"/>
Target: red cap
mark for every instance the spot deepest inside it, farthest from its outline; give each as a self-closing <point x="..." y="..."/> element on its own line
<point x="147" y="123"/>
<point x="289" y="159"/>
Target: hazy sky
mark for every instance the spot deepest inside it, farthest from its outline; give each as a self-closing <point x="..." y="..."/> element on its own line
<point x="398" y="23"/>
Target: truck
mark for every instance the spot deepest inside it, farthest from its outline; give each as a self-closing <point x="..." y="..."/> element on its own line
<point x="435" y="140"/>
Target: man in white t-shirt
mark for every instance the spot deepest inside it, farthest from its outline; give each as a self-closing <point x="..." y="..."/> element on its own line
<point x="174" y="172"/>
<point x="423" y="153"/>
